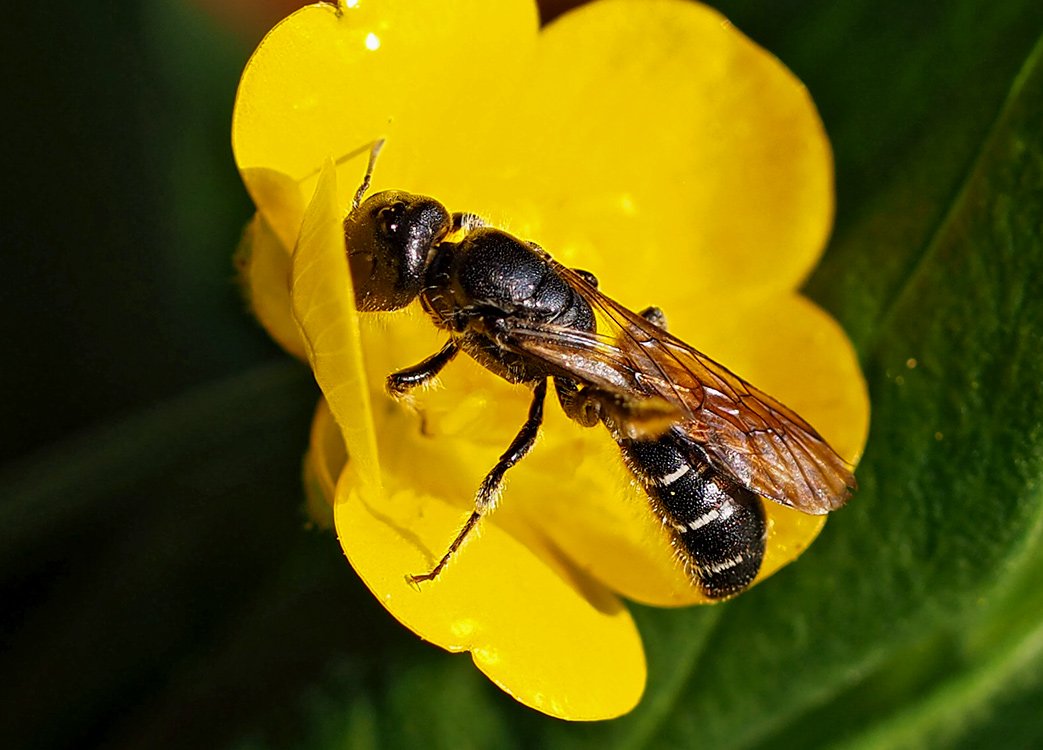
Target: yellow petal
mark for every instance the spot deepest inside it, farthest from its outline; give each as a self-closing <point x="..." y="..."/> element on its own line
<point x="597" y="514"/>
<point x="327" y="450"/>
<point x="321" y="296"/>
<point x="546" y="634"/>
<point x="278" y="198"/>
<point x="669" y="147"/>
<point x="317" y="504"/>
<point x="265" y="265"/>
<point x="542" y="631"/>
<point x="327" y="81"/>
<point x="323" y="464"/>
<point x="647" y="142"/>
<point x="789" y="347"/>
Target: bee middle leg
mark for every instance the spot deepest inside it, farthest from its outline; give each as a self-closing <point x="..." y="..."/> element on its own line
<point x="485" y="499"/>
<point x="655" y="316"/>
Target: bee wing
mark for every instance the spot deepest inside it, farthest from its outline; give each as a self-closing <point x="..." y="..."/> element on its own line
<point x="751" y="436"/>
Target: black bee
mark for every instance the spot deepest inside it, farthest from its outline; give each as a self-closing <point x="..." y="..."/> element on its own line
<point x="705" y="445"/>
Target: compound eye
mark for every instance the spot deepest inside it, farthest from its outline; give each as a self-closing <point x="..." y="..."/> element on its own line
<point x="389" y="219"/>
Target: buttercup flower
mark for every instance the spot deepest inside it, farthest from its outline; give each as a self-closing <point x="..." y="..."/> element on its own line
<point x="649" y="142"/>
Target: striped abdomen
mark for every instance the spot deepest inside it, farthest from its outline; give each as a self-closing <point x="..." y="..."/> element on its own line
<point x="718" y="526"/>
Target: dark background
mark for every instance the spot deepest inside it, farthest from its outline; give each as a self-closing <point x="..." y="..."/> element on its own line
<point x="159" y="586"/>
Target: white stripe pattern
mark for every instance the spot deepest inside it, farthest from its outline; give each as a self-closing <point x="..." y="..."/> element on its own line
<point x="704" y="519"/>
<point x="725" y="564"/>
<point x="673" y="476"/>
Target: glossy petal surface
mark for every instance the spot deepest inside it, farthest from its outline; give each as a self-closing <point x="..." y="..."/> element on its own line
<point x="648" y="142"/>
<point x="539" y="630"/>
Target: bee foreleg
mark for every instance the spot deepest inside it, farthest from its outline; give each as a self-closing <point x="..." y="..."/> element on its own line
<point x="485" y="499"/>
<point x="401" y="382"/>
<point x="655" y="316"/>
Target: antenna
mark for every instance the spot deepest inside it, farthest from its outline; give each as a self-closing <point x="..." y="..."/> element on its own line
<point x="373" y="154"/>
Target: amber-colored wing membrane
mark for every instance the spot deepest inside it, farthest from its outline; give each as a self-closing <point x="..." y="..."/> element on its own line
<point x="762" y="444"/>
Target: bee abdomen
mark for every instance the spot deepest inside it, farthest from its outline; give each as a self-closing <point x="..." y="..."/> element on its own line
<point x="718" y="526"/>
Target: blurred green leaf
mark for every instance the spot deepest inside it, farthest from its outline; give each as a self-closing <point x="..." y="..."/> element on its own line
<point x="135" y="545"/>
<point x="167" y="596"/>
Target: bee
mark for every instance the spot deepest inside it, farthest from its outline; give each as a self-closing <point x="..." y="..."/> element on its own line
<point x="705" y="445"/>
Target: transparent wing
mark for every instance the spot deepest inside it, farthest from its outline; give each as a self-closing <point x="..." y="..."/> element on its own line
<point x="765" y="446"/>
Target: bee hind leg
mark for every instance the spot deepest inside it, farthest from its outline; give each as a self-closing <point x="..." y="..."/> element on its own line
<point x="632" y="415"/>
<point x="488" y="493"/>
<point x="578" y="405"/>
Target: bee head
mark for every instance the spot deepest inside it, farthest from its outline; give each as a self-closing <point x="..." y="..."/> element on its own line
<point x="390" y="237"/>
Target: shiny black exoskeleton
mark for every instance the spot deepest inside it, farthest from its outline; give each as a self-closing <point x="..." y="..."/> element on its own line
<point x="471" y="279"/>
<point x="719" y="526"/>
<point x="398" y="251"/>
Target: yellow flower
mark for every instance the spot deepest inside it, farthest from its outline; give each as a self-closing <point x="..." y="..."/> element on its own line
<point x="649" y="142"/>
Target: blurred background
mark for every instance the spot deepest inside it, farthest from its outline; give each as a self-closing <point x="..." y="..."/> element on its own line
<point x="160" y="587"/>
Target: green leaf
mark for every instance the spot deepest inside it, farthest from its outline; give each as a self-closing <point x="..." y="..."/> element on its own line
<point x="111" y="543"/>
<point x="168" y="596"/>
